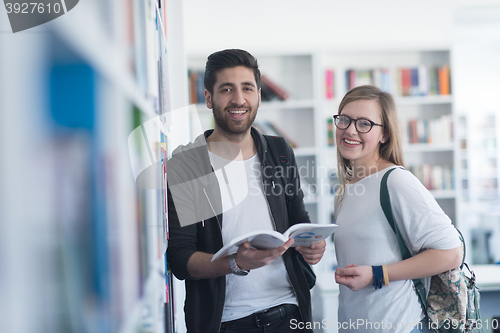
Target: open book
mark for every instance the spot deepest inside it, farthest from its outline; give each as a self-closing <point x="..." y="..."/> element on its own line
<point x="304" y="234"/>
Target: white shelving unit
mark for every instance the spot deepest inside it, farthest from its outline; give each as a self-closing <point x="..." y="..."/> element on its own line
<point x="82" y="243"/>
<point x="418" y="107"/>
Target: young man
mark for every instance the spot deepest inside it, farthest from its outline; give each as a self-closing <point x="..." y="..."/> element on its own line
<point x="224" y="185"/>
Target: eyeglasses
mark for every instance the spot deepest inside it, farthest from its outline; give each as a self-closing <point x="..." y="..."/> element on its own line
<point x="362" y="125"/>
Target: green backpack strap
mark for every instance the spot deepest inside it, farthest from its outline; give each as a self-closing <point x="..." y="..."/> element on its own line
<point x="385" y="202"/>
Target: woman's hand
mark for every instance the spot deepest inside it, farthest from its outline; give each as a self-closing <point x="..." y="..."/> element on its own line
<point x="354" y="278"/>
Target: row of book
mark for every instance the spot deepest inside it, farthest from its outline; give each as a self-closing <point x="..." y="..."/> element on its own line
<point x="106" y="242"/>
<point x="270" y="90"/>
<point x="145" y="32"/>
<point x="422" y="80"/>
<point x="436" y="130"/>
<point x="434" y="177"/>
<point x="144" y="43"/>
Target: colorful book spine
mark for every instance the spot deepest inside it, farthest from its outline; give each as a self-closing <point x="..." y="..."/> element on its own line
<point x="434" y="177"/>
<point x="330" y="133"/>
<point x="329" y="84"/>
<point x="435" y="130"/>
<point x="275" y="88"/>
<point x="444" y="80"/>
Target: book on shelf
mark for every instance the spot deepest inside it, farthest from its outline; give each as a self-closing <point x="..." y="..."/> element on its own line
<point x="414" y="86"/>
<point x="379" y="77"/>
<point x="350" y="79"/>
<point x="266" y="94"/>
<point x="423" y="81"/>
<point x="329" y="132"/>
<point x="329" y="84"/>
<point x="358" y="77"/>
<point x="436" y="130"/>
<point x="405" y="81"/>
<point x="196" y="86"/>
<point x="193" y="76"/>
<point x="382" y="79"/>
<point x="444" y="80"/>
<point x="433" y="81"/>
<point x="269" y="128"/>
<point x="303" y="234"/>
<point x="274" y="88"/>
<point x="434" y="177"/>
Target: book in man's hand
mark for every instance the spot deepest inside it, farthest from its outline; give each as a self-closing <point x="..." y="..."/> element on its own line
<point x="304" y="234"/>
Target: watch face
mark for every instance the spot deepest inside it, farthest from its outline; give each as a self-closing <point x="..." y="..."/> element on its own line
<point x="240" y="272"/>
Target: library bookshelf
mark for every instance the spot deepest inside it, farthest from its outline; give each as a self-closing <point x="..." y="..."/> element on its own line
<point x="86" y="132"/>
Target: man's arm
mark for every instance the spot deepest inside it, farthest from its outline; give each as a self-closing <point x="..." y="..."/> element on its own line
<point x="200" y="265"/>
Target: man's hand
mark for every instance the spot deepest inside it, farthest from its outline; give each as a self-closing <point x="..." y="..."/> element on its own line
<point x="354" y="278"/>
<point x="249" y="258"/>
<point x="313" y="254"/>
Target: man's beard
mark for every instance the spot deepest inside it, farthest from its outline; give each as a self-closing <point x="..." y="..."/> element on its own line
<point x="225" y="126"/>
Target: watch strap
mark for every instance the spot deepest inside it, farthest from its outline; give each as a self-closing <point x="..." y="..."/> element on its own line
<point x="234" y="266"/>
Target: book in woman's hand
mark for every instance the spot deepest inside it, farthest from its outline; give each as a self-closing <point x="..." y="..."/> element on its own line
<point x="304" y="234"/>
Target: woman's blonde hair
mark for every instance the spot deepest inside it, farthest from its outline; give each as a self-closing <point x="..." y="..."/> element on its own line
<point x="391" y="150"/>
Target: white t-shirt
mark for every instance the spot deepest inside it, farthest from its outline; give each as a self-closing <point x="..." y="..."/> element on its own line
<point x="366" y="238"/>
<point x="245" y="210"/>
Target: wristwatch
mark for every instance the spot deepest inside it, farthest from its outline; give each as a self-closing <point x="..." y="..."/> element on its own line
<point x="234" y="266"/>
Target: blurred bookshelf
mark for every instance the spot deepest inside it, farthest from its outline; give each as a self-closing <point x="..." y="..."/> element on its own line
<point x="87" y="129"/>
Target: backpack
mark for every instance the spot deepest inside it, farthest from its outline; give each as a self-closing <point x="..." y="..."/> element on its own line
<point x="279" y="150"/>
<point x="452" y="304"/>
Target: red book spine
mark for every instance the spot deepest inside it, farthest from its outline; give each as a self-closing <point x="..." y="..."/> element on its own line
<point x="405" y="81"/>
<point x="280" y="92"/>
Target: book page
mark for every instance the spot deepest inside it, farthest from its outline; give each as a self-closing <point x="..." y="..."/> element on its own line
<point x="260" y="239"/>
<point x="306" y="234"/>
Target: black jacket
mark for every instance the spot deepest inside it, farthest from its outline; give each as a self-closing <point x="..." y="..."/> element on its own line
<point x="205" y="297"/>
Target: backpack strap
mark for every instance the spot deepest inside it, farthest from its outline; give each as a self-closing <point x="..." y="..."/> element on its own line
<point x="385" y="202"/>
<point x="280" y="152"/>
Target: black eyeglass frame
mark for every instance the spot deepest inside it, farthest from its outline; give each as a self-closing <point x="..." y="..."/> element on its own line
<point x="372" y="123"/>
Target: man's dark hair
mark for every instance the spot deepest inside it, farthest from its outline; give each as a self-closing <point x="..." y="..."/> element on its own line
<point x="228" y="59"/>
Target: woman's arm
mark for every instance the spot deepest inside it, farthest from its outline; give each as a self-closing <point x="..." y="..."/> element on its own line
<point x="427" y="263"/>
